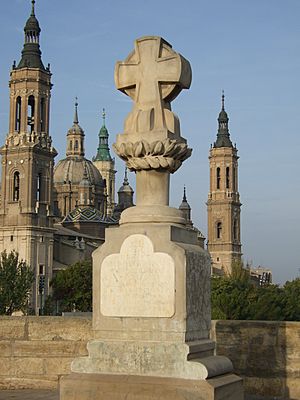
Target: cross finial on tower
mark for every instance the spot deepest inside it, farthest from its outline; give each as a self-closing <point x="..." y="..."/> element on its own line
<point x="103" y="116"/>
<point x="32" y="9"/>
<point x="184" y="193"/>
<point x="76" y="111"/>
<point x="125" y="177"/>
<point x="223" y="100"/>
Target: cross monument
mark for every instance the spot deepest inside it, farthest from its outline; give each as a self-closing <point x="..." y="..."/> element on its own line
<point x="151" y="278"/>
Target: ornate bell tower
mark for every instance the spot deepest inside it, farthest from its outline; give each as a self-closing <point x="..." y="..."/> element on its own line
<point x="106" y="166"/>
<point x="27" y="163"/>
<point x="223" y="205"/>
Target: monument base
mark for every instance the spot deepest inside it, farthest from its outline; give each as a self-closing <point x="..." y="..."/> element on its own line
<point x="129" y="387"/>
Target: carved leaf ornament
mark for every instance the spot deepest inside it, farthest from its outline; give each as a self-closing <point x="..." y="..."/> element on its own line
<point x="166" y="154"/>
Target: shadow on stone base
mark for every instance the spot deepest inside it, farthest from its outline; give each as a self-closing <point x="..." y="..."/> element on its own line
<point x="127" y="387"/>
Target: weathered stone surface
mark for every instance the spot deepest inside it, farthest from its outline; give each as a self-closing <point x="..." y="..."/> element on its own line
<point x="26" y="366"/>
<point x="36" y="359"/>
<point x="5" y="348"/>
<point x="6" y="367"/>
<point x="29" y="394"/>
<point x="57" y="366"/>
<point x="236" y="339"/>
<point x="124" y="387"/>
<point x="138" y="282"/>
<point x="150" y="359"/>
<point x="37" y="382"/>
<point x="53" y="348"/>
<point x="182" y="325"/>
<point x="266" y="354"/>
<point x="59" y="328"/>
<point x="12" y="328"/>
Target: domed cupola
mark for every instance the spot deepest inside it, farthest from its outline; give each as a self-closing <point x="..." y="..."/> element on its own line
<point x="75" y="174"/>
<point x="223" y="137"/>
<point x="75" y="137"/>
<point x="31" y="53"/>
<point x="75" y="167"/>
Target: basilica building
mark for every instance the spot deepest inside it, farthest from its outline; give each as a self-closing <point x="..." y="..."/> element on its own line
<point x="51" y="215"/>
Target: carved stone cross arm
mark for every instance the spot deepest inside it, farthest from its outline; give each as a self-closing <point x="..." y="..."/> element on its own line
<point x="152" y="66"/>
<point x="152" y="75"/>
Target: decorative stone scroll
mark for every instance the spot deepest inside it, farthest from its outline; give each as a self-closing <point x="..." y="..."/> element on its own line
<point x="152" y="75"/>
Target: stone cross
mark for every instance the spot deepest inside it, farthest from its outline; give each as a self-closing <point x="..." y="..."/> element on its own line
<point x="151" y="73"/>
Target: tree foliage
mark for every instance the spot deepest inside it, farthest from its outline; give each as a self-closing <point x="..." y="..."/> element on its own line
<point x="72" y="289"/>
<point x="236" y="297"/>
<point x="16" y="279"/>
<point x="292" y="300"/>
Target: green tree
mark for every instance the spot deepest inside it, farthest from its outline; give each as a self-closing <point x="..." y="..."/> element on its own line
<point x="291" y="301"/>
<point x="16" y="279"/>
<point x="72" y="288"/>
<point x="230" y="298"/>
<point x="236" y="297"/>
<point x="231" y="295"/>
<point x="267" y="303"/>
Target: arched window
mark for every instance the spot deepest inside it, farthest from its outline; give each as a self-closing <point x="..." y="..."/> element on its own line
<point x="219" y="230"/>
<point x="42" y="114"/>
<point x="18" y="114"/>
<point x="235" y="230"/>
<point x="65" y="205"/>
<point x="70" y="145"/>
<point x="30" y="113"/>
<point x="233" y="179"/>
<point x="227" y="177"/>
<point x="39" y="187"/>
<point x="218" y="177"/>
<point x="76" y="145"/>
<point x="16" y="188"/>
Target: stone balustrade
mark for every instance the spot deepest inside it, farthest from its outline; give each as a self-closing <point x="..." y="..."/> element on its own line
<point x="36" y="351"/>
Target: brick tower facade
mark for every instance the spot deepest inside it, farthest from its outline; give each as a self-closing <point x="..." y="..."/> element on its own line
<point x="27" y="164"/>
<point x="223" y="205"/>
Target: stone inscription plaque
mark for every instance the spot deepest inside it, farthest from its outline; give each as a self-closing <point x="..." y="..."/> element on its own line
<point x="138" y="282"/>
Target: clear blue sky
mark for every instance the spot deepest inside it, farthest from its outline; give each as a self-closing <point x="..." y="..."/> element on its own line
<point x="248" y="48"/>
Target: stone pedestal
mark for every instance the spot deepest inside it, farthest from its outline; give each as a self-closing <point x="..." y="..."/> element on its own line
<point x="152" y="316"/>
<point x="127" y="387"/>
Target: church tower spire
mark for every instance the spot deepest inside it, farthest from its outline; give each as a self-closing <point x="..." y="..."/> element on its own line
<point x="31" y="53"/>
<point x="186" y="209"/>
<point x="27" y="162"/>
<point x="103" y="153"/>
<point x="75" y="137"/>
<point x="223" y="137"/>
<point x="106" y="165"/>
<point x="223" y="205"/>
<point x="125" y="193"/>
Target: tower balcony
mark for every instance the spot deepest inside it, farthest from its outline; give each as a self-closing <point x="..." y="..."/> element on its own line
<point x="29" y="139"/>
